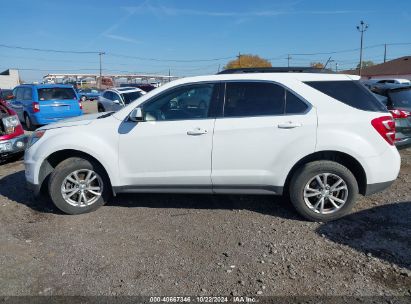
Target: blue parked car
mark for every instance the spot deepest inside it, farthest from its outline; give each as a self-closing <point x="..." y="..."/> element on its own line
<point x="90" y="94"/>
<point x="46" y="103"/>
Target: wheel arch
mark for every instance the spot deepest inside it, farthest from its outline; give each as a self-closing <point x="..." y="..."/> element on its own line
<point x="51" y="161"/>
<point x="339" y="157"/>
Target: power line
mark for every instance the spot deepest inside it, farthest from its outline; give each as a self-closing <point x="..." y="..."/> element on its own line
<point x="47" y="50"/>
<point x="168" y="60"/>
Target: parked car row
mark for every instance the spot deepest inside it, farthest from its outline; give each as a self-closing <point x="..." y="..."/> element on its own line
<point x="116" y="98"/>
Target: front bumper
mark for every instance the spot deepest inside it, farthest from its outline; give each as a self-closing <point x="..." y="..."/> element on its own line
<point x="13" y="145"/>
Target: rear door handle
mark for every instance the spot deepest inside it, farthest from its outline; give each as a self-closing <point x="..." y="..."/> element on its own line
<point x="289" y="125"/>
<point x="197" y="131"/>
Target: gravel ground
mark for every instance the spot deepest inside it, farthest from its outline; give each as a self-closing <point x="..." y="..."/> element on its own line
<point x="203" y="245"/>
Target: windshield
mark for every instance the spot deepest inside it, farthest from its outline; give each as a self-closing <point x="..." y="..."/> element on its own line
<point x="130" y="97"/>
<point x="56" y="94"/>
<point x="401" y="98"/>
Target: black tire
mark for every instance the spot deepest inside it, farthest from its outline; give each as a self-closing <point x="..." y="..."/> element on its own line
<point x="307" y="173"/>
<point x="29" y="123"/>
<point x="68" y="166"/>
<point x="100" y="108"/>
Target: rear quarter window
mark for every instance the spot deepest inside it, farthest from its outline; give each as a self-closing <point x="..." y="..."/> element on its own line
<point x="352" y="93"/>
<point x="56" y="94"/>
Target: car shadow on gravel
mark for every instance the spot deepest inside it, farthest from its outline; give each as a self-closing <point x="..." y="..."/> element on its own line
<point x="13" y="186"/>
<point x="383" y="232"/>
<point x="265" y="204"/>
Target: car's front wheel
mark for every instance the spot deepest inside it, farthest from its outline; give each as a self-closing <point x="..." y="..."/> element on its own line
<point x="100" y="108"/>
<point x="78" y="186"/>
<point x="323" y="190"/>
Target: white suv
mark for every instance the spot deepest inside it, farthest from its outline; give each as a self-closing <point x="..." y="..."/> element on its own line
<point x="320" y="139"/>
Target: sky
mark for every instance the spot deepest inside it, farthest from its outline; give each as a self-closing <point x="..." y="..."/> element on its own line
<point x="195" y="37"/>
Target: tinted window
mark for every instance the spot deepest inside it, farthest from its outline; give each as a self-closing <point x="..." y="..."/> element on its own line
<point x="114" y="96"/>
<point x="130" y="97"/>
<point x="401" y="98"/>
<point x="56" y="94"/>
<point x="187" y="102"/>
<point x="352" y="93"/>
<point x="253" y="99"/>
<point x="107" y="95"/>
<point x="27" y="94"/>
<point x="19" y="93"/>
<point x="294" y="105"/>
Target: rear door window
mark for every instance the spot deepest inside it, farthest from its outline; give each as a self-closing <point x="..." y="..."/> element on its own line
<point x="56" y="94"/>
<point x="244" y="99"/>
<point x="352" y="93"/>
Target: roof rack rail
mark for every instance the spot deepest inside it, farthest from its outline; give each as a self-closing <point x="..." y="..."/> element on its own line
<point x="276" y="70"/>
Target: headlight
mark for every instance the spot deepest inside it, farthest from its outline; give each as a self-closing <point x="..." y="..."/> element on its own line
<point x="35" y="136"/>
<point x="10" y="123"/>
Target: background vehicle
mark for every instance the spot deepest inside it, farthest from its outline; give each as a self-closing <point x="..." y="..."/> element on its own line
<point x="5" y="95"/>
<point x="88" y="94"/>
<point x="146" y="87"/>
<point x="12" y="138"/>
<point x="296" y="134"/>
<point x="43" y="104"/>
<point x="116" y="98"/>
<point x="398" y="102"/>
<point x="371" y="82"/>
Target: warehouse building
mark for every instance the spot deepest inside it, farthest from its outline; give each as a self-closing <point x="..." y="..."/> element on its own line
<point x="9" y="79"/>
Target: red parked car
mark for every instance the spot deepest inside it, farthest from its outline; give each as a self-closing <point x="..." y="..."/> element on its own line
<point x="12" y="139"/>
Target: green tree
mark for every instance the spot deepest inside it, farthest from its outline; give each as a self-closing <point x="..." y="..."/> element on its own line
<point x="248" y="61"/>
<point x="365" y="64"/>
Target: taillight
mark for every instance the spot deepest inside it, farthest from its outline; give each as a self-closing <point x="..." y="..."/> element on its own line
<point x="35" y="106"/>
<point x="385" y="126"/>
<point x="12" y="125"/>
<point x="400" y="114"/>
<point x="80" y="104"/>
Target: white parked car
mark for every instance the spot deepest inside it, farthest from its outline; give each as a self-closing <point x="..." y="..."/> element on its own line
<point x="116" y="98"/>
<point x="319" y="139"/>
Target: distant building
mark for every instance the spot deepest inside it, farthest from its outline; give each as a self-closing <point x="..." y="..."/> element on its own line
<point x="9" y="79"/>
<point x="397" y="68"/>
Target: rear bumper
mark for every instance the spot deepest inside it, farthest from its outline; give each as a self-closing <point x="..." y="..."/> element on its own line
<point x="39" y="120"/>
<point x="378" y="187"/>
<point x="13" y="145"/>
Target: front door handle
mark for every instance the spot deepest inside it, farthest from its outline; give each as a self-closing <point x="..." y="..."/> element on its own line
<point x="197" y="131"/>
<point x="289" y="125"/>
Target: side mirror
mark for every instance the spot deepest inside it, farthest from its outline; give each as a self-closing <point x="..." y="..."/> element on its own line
<point x="9" y="97"/>
<point x="116" y="101"/>
<point x="136" y="115"/>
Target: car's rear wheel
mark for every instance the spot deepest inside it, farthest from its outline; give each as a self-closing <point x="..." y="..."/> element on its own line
<point x="28" y="123"/>
<point x="79" y="186"/>
<point x="323" y="190"/>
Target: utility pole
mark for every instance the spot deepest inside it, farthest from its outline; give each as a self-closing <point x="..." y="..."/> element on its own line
<point x="239" y="59"/>
<point x="218" y="71"/>
<point x="336" y="67"/>
<point x="169" y="75"/>
<point x="385" y="52"/>
<point x="101" y="79"/>
<point x="361" y="28"/>
<point x="288" y="60"/>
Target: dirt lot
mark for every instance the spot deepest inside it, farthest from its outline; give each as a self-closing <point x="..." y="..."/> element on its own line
<point x="203" y="245"/>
